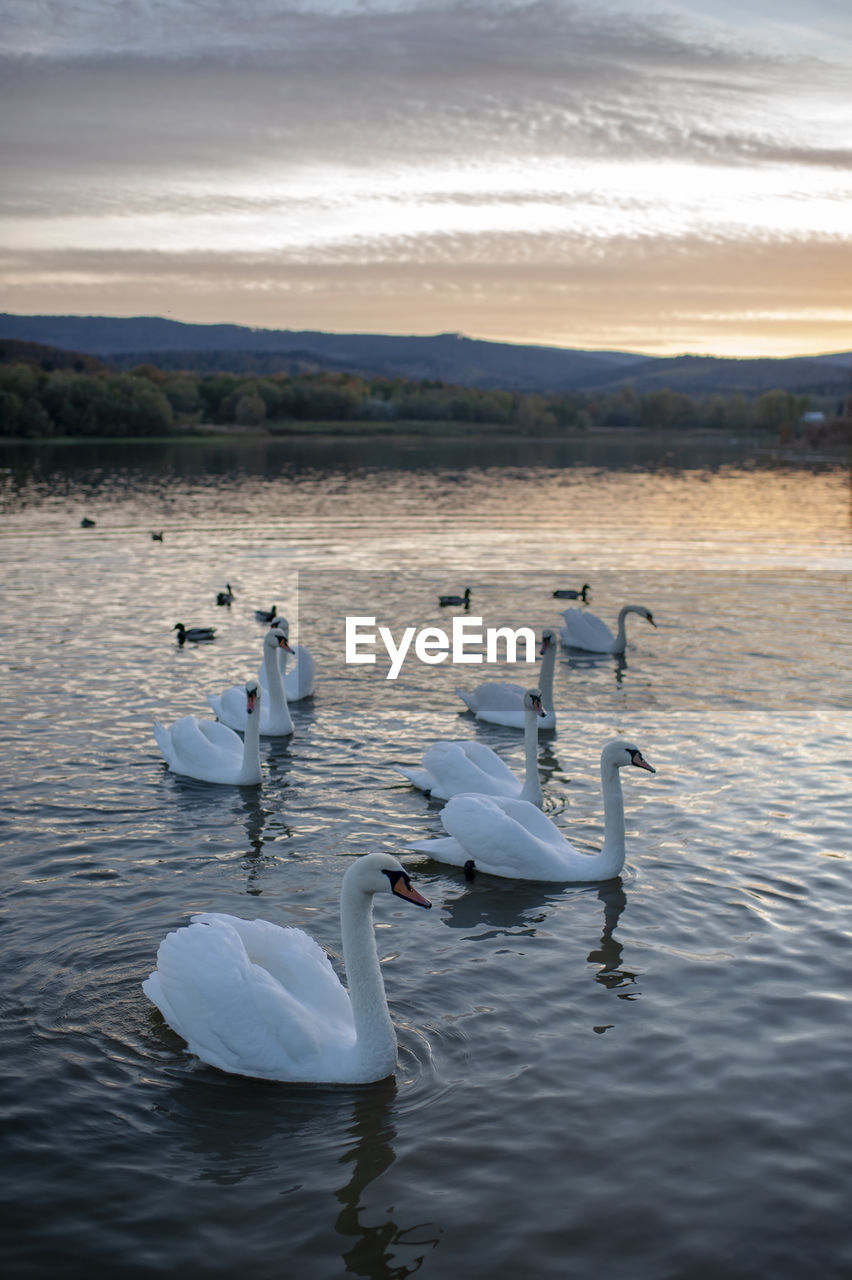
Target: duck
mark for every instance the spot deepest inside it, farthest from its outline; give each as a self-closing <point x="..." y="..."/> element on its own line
<point x="503" y="703"/>
<point x="254" y="999"/>
<point x="157" y="537"/>
<point x="444" y="601"/>
<point x="210" y="751"/>
<point x="265" y="615"/>
<point x="198" y="635"/>
<point x="567" y="594"/>
<point x="300" y="677"/>
<point x="450" y="768"/>
<point x="225" y="597"/>
<point x="585" y="631"/>
<point x="515" y="840"/>
<point x="86" y="523"/>
<point x="275" y="718"/>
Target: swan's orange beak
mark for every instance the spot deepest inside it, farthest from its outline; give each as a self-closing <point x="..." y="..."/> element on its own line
<point x="403" y="888"/>
<point x="251" y="702"/>
<point x="283" y="643"/>
<point x="641" y="763"/>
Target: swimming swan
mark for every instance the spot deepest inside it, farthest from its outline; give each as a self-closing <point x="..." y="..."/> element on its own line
<point x="255" y="999"/>
<point x="450" y="768"/>
<point x="514" y="839"/>
<point x="504" y="703"/>
<point x="275" y="718"/>
<point x="299" y="678"/>
<point x="212" y="752"/>
<point x="585" y="631"/>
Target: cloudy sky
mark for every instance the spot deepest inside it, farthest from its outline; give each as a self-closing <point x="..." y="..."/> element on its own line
<point x="648" y="175"/>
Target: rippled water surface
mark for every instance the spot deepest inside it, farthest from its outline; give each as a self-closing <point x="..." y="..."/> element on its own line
<point x="639" y="1079"/>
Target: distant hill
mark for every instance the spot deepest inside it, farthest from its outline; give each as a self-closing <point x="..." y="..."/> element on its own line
<point x="13" y="351"/>
<point x="446" y="357"/>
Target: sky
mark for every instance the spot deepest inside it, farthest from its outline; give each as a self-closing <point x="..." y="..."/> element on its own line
<point x="660" y="176"/>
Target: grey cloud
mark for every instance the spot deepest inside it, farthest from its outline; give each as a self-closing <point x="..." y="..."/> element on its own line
<point x="437" y="81"/>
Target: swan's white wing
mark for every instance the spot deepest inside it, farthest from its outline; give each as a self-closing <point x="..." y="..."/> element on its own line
<point x="491" y="764"/>
<point x="497" y="696"/>
<point x="584" y="631"/>
<point x="230" y="706"/>
<point x="419" y="778"/>
<point x="507" y="837"/>
<point x="300" y="679"/>
<point x="236" y="1015"/>
<point x="206" y="740"/>
<point x="442" y="849"/>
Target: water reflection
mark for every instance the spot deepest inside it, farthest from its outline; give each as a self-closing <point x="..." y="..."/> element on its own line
<point x="372" y="1252"/>
<point x="608" y="952"/>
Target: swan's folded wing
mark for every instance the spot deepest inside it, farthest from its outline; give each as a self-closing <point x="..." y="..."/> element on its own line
<point x="300" y="680"/>
<point x="196" y="740"/>
<point x="442" y="849"/>
<point x="491" y="764"/>
<point x="495" y="696"/>
<point x="233" y="1013"/>
<point x="585" y="631"/>
<point x="419" y="778"/>
<point x="505" y="837"/>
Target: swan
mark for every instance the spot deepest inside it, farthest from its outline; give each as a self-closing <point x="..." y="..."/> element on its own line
<point x="513" y="838"/>
<point x="265" y="615"/>
<point x="585" y="631"/>
<point x="275" y="719"/>
<point x="504" y="703"/>
<point x="195" y="634"/>
<point x="450" y="768"/>
<point x="225" y="597"/>
<point x="212" y="752"/>
<point x="255" y="999"/>
<point x="443" y="601"/>
<point x="582" y="594"/>
<point x="300" y="678"/>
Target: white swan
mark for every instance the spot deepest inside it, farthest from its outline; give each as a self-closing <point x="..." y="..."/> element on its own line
<point x="212" y="752"/>
<point x="300" y="678"/>
<point x="514" y="839"/>
<point x="584" y="631"/>
<point x="503" y="704"/>
<point x="257" y="1000"/>
<point x="275" y="718"/>
<point x="450" y="768"/>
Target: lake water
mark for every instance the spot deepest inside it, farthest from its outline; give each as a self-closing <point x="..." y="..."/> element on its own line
<point x="640" y="1079"/>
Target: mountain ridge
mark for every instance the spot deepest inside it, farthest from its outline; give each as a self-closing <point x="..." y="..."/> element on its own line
<point x="446" y="357"/>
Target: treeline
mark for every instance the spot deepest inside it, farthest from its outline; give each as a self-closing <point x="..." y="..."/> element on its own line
<point x="147" y="401"/>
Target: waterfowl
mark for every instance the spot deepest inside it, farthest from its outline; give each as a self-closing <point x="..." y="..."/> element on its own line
<point x="514" y="839"/>
<point x="450" y="768"/>
<point x="225" y="597"/>
<point x="255" y="999"/>
<point x="585" y="631"/>
<point x="443" y="601"/>
<point x="157" y="537"/>
<point x="210" y="751"/>
<point x="573" y="595"/>
<point x="196" y="634"/>
<point x="265" y="615"/>
<point x="503" y="703"/>
<point x="86" y="523"/>
<point x="275" y="719"/>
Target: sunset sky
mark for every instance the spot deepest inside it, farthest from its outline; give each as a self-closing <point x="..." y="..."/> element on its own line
<point x="649" y="176"/>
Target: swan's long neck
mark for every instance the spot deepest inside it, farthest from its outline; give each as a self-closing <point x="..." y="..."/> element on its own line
<point x="545" y="676"/>
<point x="278" y="708"/>
<point x="250" y="771"/>
<point x="375" y="1036"/>
<point x="531" y="789"/>
<point x="611" y="856"/>
<point x="621" y="637"/>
